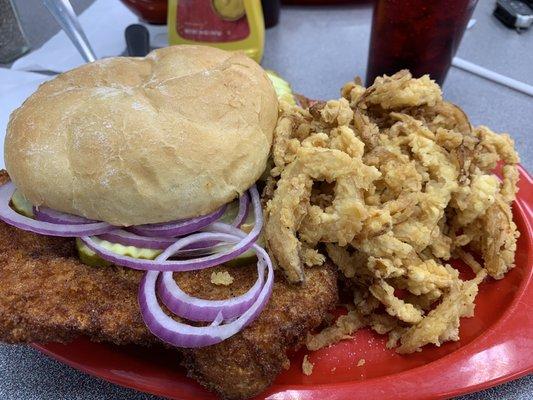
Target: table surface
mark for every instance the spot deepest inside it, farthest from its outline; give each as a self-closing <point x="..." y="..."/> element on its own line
<point x="317" y="49"/>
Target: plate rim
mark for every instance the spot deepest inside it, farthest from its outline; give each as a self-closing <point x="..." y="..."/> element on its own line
<point x="504" y="328"/>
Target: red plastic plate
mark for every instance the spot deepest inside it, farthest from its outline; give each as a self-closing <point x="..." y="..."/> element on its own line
<point x="496" y="346"/>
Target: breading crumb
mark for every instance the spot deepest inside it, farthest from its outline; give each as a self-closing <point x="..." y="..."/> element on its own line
<point x="307" y="366"/>
<point x="221" y="278"/>
<point x="361" y="362"/>
<point x="344" y="328"/>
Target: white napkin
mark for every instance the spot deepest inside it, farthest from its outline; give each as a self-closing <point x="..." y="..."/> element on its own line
<point x="15" y="87"/>
<point x="103" y="22"/>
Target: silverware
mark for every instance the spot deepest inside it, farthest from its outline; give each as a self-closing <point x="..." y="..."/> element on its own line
<point x="66" y="17"/>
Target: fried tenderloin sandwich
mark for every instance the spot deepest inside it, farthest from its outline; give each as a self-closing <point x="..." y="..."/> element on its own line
<point x="160" y="153"/>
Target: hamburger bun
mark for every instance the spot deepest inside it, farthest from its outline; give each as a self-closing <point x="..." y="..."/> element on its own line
<point x="131" y="141"/>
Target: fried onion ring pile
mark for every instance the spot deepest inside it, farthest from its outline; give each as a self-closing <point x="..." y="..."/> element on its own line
<point x="391" y="183"/>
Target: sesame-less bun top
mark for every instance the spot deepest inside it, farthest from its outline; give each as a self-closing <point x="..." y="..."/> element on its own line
<point x="131" y="141"/>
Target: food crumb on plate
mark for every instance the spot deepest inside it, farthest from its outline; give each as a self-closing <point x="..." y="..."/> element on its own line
<point x="361" y="362"/>
<point x="307" y="366"/>
<point x="344" y="328"/>
<point x="221" y="278"/>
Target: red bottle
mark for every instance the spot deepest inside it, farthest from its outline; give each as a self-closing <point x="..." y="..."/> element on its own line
<point x="151" y="11"/>
<point x="420" y="35"/>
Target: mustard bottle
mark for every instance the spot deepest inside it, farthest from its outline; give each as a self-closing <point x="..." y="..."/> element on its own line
<point x="226" y="24"/>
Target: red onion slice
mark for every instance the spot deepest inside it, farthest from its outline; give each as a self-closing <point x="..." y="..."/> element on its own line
<point x="173" y="265"/>
<point x="57" y="217"/>
<point x="126" y="238"/>
<point x="183" y="335"/>
<point x="11" y="217"/>
<point x="195" y="309"/>
<point x="178" y="228"/>
<point x="218" y="320"/>
<point x="161" y="263"/>
<point x="244" y="204"/>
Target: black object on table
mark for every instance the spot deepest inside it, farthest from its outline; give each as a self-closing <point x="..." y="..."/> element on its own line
<point x="271" y="10"/>
<point x="515" y="14"/>
<point x="137" y="40"/>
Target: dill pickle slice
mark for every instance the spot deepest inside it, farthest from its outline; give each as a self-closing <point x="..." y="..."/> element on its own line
<point x="21" y="205"/>
<point x="89" y="257"/>
<point x="282" y="87"/>
<point x="228" y="217"/>
<point x="231" y="212"/>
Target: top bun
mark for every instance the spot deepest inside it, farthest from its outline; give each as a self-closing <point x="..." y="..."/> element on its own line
<point x="132" y="141"/>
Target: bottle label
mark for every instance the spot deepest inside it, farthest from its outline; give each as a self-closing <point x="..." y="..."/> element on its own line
<point x="212" y="20"/>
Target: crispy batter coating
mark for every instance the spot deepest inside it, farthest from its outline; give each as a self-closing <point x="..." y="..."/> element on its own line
<point x="248" y="362"/>
<point x="47" y="294"/>
<point x="284" y="213"/>
<point x="395" y="307"/>
<point x="498" y="243"/>
<point x="307" y="366"/>
<point x="282" y="226"/>
<point x="344" y="326"/>
<point x="415" y="188"/>
<point x="221" y="278"/>
<point x="442" y="323"/>
<point x="400" y="91"/>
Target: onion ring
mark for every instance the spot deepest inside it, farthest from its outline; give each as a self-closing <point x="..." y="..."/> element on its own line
<point x="162" y="263"/>
<point x="57" y="217"/>
<point x="178" y="228"/>
<point x="183" y="335"/>
<point x="11" y="217"/>
<point x="195" y="309"/>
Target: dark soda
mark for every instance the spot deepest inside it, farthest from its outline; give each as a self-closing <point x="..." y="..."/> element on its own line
<point x="420" y="35"/>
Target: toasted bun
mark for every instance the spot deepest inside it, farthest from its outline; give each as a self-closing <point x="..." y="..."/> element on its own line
<point x="143" y="140"/>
